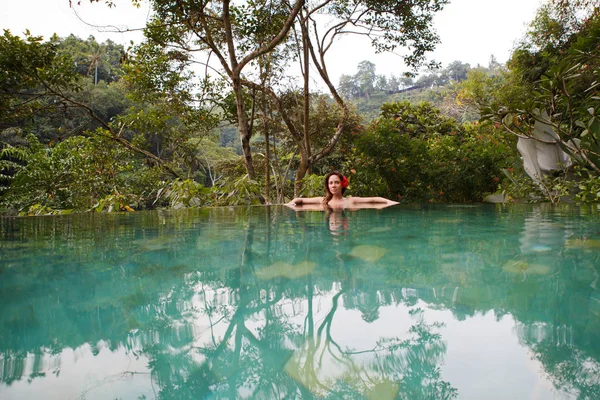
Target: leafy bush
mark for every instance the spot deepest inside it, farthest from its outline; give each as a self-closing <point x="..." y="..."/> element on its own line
<point x="79" y="174"/>
<point x="313" y="186"/>
<point x="416" y="154"/>
<point x="237" y="191"/>
<point x="182" y="193"/>
<point x="587" y="188"/>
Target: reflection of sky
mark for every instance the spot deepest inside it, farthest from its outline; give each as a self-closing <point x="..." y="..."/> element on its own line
<point x="83" y="375"/>
<point x="541" y="235"/>
<point x="484" y="359"/>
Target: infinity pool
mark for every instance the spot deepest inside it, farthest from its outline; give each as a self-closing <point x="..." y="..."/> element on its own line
<point x="408" y="302"/>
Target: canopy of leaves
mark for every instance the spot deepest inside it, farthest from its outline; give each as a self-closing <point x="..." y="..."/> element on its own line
<point x="30" y="70"/>
<point x="415" y="153"/>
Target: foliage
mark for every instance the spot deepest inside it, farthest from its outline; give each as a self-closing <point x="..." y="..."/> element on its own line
<point x="28" y="68"/>
<point x="575" y="183"/>
<point x="115" y="202"/>
<point x="414" y="153"/>
<point x="182" y="193"/>
<point x="366" y="83"/>
<point x="99" y="61"/>
<point x="212" y="159"/>
<point x="236" y="34"/>
<point x="89" y="102"/>
<point x="467" y="166"/>
<point x="390" y="24"/>
<point x="80" y="173"/>
<point x="312" y="185"/>
<point x="587" y="187"/>
<point x="519" y="187"/>
<point x="11" y="161"/>
<point x="553" y="79"/>
<point x="232" y="191"/>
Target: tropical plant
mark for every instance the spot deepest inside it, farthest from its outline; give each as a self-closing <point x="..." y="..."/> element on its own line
<point x="551" y="94"/>
<point x="416" y="154"/>
<point x="182" y="193"/>
<point x="237" y="191"/>
<point x="78" y="174"/>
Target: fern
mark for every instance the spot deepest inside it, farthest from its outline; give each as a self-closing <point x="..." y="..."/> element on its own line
<point x="14" y="153"/>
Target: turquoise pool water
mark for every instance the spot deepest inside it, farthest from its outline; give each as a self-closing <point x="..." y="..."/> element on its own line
<point x="408" y="302"/>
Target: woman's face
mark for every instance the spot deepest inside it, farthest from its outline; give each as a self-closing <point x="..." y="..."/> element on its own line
<point x="335" y="185"/>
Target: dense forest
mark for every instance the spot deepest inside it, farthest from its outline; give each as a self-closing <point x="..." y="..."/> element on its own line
<point x="89" y="126"/>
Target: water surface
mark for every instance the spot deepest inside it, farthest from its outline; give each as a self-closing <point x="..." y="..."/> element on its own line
<point x="408" y="302"/>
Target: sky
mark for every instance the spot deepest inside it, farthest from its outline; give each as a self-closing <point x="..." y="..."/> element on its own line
<point x="471" y="31"/>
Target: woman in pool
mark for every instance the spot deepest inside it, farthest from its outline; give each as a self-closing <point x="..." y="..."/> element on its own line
<point x="335" y="187"/>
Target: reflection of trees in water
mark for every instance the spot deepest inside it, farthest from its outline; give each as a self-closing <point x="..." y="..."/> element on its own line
<point x="225" y="331"/>
<point x="279" y="358"/>
<point x="409" y="363"/>
<point x="569" y="368"/>
<point x="256" y="347"/>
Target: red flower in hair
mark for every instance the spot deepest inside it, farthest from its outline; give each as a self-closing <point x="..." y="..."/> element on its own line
<point x="344" y="182"/>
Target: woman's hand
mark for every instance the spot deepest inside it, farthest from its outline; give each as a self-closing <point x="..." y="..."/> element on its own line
<point x="295" y="202"/>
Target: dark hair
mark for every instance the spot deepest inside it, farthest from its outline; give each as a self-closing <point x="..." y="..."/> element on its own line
<point x="328" y="195"/>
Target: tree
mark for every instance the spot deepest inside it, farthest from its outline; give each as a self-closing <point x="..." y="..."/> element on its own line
<point x="36" y="77"/>
<point x="457" y="71"/>
<point x="348" y="87"/>
<point x="228" y="32"/>
<point x="365" y="78"/>
<point x="550" y="98"/>
<point x="393" y="84"/>
<point x="100" y="60"/>
<point x="418" y="154"/>
<point x="388" y="24"/>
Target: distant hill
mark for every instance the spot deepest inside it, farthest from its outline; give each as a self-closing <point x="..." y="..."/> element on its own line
<point x="442" y="97"/>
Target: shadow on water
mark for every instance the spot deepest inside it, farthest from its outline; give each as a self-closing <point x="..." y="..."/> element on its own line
<point x="264" y="302"/>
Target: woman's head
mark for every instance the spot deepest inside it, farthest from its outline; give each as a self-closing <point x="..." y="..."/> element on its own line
<point x="335" y="183"/>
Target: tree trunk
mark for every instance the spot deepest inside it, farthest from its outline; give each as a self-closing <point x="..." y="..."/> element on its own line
<point x="243" y="128"/>
<point x="306" y="130"/>
<point x="301" y="171"/>
<point x="267" y="152"/>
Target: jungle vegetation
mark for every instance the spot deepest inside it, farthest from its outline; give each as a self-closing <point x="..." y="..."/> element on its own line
<point x="88" y="126"/>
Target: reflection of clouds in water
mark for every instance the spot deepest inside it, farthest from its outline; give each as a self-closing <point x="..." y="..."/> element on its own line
<point x="84" y="372"/>
<point x="541" y="235"/>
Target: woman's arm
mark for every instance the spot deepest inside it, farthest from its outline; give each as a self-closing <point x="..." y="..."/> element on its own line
<point x="298" y="201"/>
<point x="372" y="200"/>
